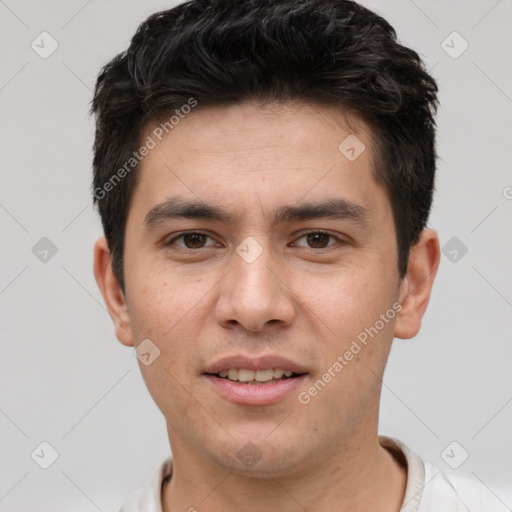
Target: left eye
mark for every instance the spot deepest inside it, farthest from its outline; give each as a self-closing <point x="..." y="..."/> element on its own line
<point x="318" y="239"/>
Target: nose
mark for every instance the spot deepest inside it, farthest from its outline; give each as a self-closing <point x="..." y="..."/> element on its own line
<point x="254" y="295"/>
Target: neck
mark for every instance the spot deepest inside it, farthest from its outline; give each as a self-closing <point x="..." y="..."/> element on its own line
<point x="356" y="476"/>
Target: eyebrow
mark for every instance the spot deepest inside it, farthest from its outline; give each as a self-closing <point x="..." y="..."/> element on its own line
<point x="335" y="208"/>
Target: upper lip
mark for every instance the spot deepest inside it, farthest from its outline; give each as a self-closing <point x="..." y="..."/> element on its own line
<point x="254" y="363"/>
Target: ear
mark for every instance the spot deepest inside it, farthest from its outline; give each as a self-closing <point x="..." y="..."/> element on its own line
<point x="417" y="285"/>
<point x="111" y="291"/>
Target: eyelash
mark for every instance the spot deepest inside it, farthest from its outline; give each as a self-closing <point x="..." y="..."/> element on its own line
<point x="181" y="235"/>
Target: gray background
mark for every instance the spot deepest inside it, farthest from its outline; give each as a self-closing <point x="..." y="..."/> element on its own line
<point x="66" y="380"/>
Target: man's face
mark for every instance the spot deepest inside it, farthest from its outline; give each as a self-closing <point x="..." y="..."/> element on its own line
<point x="260" y="285"/>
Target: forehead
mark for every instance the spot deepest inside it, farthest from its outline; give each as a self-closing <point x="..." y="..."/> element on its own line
<point x="245" y="155"/>
<point x="310" y="130"/>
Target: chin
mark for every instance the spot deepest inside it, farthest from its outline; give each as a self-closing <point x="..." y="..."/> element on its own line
<point x="259" y="458"/>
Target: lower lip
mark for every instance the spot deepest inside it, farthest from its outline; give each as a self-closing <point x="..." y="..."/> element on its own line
<point x="255" y="394"/>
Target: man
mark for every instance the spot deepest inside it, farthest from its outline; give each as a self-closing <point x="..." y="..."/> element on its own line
<point x="264" y="173"/>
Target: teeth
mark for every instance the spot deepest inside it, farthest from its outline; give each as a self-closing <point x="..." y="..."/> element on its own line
<point x="278" y="373"/>
<point x="246" y="375"/>
<point x="263" y="375"/>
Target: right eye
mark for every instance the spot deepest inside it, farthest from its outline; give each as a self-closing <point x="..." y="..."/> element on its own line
<point x="191" y="240"/>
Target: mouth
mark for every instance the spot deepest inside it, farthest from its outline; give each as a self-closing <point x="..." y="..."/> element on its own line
<point x="250" y="377"/>
<point x="248" y="380"/>
<point x="249" y="387"/>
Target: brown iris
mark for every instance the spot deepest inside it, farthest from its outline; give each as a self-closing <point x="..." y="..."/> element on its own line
<point x="318" y="240"/>
<point x="196" y="240"/>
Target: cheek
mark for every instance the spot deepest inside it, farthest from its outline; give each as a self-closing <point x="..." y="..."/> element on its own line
<point x="164" y="299"/>
<point x="166" y="314"/>
<point x="353" y="298"/>
<point x="358" y="309"/>
<point x="172" y="321"/>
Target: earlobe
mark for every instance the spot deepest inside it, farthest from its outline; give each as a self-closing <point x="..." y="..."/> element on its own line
<point x="111" y="292"/>
<point x="417" y="285"/>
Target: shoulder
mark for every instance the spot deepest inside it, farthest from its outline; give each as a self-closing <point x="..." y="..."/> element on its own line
<point x="148" y="498"/>
<point x="451" y="492"/>
<point x="429" y="489"/>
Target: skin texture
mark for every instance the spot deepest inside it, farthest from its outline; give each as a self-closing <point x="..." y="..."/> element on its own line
<point x="298" y="299"/>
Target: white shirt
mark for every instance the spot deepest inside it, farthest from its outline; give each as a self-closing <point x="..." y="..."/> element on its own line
<point x="427" y="488"/>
